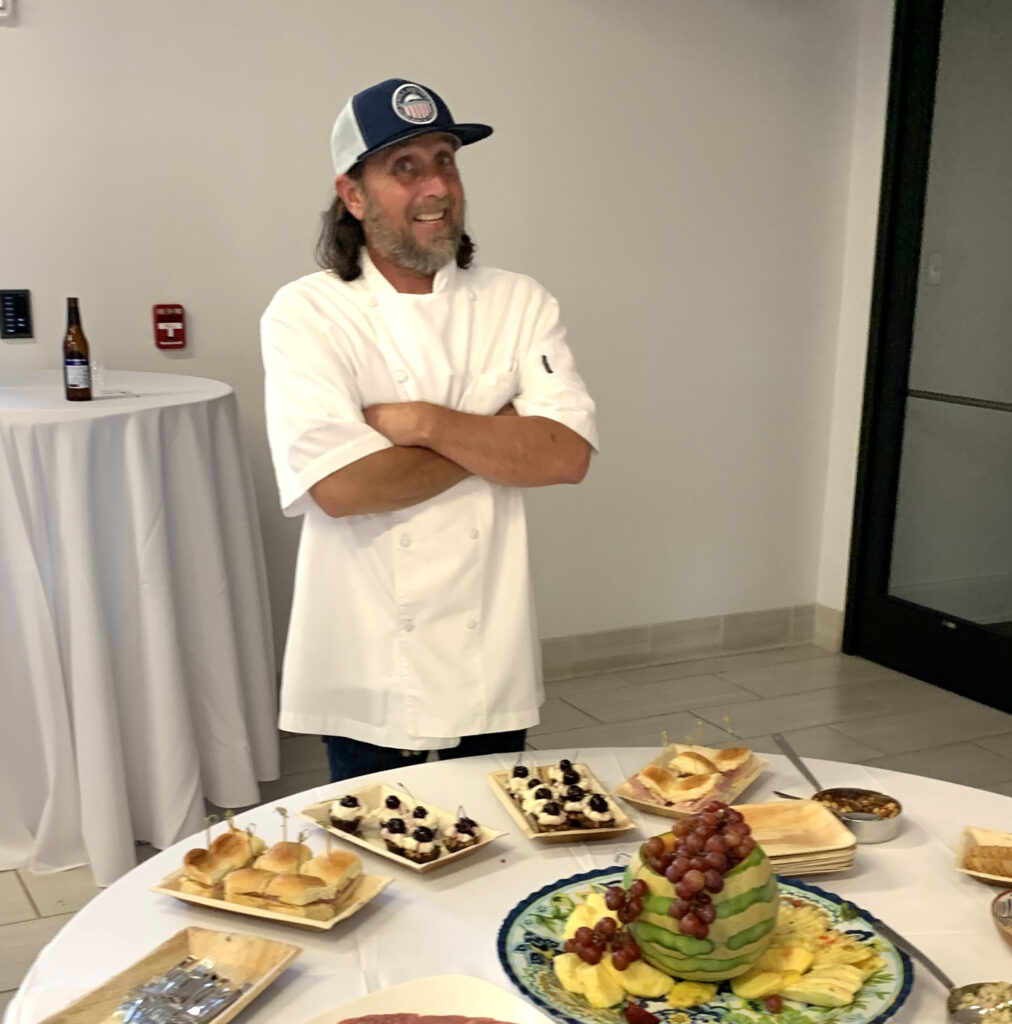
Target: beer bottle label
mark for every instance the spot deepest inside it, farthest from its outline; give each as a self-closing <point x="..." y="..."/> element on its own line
<point x="77" y="372"/>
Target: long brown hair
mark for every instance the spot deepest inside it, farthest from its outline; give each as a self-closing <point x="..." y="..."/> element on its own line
<point x="341" y="239"/>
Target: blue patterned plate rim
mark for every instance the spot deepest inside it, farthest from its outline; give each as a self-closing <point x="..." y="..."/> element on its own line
<point x="617" y="870"/>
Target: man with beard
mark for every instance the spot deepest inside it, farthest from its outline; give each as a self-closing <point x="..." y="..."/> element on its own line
<point x="410" y="398"/>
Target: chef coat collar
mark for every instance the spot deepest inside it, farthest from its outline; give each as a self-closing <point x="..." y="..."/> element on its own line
<point x="379" y="286"/>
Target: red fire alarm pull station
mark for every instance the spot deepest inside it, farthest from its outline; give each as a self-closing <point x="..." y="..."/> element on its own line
<point x="170" y="326"/>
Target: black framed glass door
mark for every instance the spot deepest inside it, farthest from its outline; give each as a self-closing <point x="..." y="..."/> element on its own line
<point x="931" y="561"/>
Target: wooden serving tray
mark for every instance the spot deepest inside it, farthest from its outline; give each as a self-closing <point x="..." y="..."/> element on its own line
<point x="241" y="959"/>
<point x="368" y="837"/>
<point x="623" y="823"/>
<point x="756" y="766"/>
<point x="798" y="829"/>
<point x="363" y="890"/>
<point x="972" y="837"/>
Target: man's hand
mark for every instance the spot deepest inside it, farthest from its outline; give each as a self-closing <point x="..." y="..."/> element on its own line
<point x="400" y="423"/>
<point x="410" y="423"/>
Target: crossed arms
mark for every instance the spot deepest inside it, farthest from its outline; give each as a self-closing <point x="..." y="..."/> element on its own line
<point x="435" y="448"/>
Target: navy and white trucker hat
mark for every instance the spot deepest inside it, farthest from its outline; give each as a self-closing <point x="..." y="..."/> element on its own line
<point x="391" y="112"/>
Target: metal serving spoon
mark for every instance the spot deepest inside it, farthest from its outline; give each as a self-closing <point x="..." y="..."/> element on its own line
<point x="797" y="762"/>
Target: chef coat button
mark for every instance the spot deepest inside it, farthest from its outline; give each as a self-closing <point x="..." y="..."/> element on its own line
<point x="408" y="626"/>
<point x="472" y="624"/>
<point x="474" y="534"/>
<point x="405" y="541"/>
<point x="400" y="376"/>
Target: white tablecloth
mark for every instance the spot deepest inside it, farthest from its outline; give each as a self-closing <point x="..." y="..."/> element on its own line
<point x="136" y="661"/>
<point x="446" y="921"/>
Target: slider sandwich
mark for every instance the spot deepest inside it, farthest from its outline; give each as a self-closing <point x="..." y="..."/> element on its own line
<point x="237" y="849"/>
<point x="691" y="762"/>
<point x="664" y="784"/>
<point x="338" y="868"/>
<point x="203" y="873"/>
<point x="303" y="896"/>
<point x="284" y="858"/>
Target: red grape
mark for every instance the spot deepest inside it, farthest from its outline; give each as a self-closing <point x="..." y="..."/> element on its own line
<point x="702" y="930"/>
<point x="635" y="907"/>
<point x="717" y="861"/>
<point x="583" y="935"/>
<point x="746" y="846"/>
<point x="714" y="880"/>
<point x="774" y="1003"/>
<point x="702" y="897"/>
<point x="678" y="908"/>
<point x="614" y="897"/>
<point x="735" y="817"/>
<point x="689" y="924"/>
<point x="654" y="846"/>
<point x="598" y="940"/>
<point x="624" y="914"/>
<point x="716" y="844"/>
<point x="714" y="806"/>
<point x="639" y="888"/>
<point x="681" y="828"/>
<point x="606" y="927"/>
<point x="710" y="819"/>
<point x="682" y="891"/>
<point x="707" y="913"/>
<point x="570" y="945"/>
<point x="634" y="951"/>
<point x="695" y="843"/>
<point x="620" y="960"/>
<point x="698" y="863"/>
<point x="635" y="1014"/>
<point x="591" y="954"/>
<point x="694" y="880"/>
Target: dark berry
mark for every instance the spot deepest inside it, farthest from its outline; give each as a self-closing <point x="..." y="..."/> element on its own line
<point x="349" y="801"/>
<point x="520" y="771"/>
<point x="598" y="803"/>
<point x="570" y="778"/>
<point x="392" y="802"/>
<point x="419" y="812"/>
<point x="423" y="834"/>
<point x="574" y="793"/>
<point x="395" y="825"/>
<point x="543" y="793"/>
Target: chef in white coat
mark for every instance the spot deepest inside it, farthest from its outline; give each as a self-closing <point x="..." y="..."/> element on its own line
<point x="411" y="397"/>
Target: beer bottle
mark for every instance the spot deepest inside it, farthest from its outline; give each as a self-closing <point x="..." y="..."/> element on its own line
<point x="76" y="365"/>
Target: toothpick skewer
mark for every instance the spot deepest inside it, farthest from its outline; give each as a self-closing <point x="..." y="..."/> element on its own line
<point x="211" y="819"/>
<point x="664" y="738"/>
<point x="300" y="839"/>
<point x="230" y="818"/>
<point x="283" y="811"/>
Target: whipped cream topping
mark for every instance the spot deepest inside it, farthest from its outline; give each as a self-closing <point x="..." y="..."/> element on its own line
<point x="344" y="813"/>
<point x="544" y="818"/>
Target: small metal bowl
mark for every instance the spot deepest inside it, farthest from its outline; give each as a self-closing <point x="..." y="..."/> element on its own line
<point x="976" y="1011"/>
<point x="1001" y="913"/>
<point x="873" y="817"/>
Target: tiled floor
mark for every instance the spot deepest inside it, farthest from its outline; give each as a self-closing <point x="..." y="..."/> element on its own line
<point x="827" y="705"/>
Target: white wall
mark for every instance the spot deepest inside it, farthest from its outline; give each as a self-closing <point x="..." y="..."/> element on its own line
<point x="875" y="35"/>
<point x="678" y="172"/>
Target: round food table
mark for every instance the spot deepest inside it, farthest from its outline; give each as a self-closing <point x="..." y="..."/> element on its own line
<point x="446" y="921"/>
<point x="137" y="669"/>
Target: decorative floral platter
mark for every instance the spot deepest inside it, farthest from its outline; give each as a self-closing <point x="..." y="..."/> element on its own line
<point x="531" y="935"/>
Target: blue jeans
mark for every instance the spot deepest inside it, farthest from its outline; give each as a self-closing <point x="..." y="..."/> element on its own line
<point x="350" y="758"/>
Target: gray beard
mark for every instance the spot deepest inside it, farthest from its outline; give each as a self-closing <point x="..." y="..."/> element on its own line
<point x="403" y="248"/>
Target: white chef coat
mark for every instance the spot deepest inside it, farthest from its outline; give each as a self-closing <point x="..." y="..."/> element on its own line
<point x="410" y="628"/>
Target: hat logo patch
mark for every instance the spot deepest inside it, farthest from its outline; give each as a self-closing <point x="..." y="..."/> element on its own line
<point x="413" y="104"/>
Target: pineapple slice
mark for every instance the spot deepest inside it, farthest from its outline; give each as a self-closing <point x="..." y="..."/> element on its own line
<point x="786" y="958"/>
<point x="598" y="986"/>
<point x="799" y="924"/>
<point x="835" y="985"/>
<point x="586" y="915"/>
<point x="757" y="983"/>
<point x="640" y="979"/>
<point x="870" y="964"/>
<point x="684" y="994"/>
<point x="837" y="947"/>
<point x="565" y="966"/>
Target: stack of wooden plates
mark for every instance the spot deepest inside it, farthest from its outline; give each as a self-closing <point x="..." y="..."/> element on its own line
<point x="801" y="837"/>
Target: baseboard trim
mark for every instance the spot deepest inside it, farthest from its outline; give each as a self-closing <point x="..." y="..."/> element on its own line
<point x="690" y="639"/>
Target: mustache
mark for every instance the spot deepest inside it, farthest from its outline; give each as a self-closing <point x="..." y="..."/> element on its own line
<point x="434" y="206"/>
